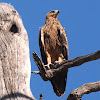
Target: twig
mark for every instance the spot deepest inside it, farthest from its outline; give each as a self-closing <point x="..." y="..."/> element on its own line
<point x="35" y="72"/>
<point x="41" y="96"/>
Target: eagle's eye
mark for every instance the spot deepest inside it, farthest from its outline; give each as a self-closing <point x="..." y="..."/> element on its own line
<point x="53" y="11"/>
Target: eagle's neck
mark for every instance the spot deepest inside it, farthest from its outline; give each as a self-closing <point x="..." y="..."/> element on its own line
<point x="50" y="20"/>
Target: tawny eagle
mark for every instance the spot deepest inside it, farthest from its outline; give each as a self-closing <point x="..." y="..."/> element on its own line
<point x="54" y="48"/>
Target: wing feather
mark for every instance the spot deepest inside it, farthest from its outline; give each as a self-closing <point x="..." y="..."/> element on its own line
<point x="41" y="45"/>
<point x="62" y="37"/>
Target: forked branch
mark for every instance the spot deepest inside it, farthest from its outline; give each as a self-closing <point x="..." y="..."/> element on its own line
<point x="47" y="74"/>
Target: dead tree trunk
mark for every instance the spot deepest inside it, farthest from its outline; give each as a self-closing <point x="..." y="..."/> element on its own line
<point x="15" y="66"/>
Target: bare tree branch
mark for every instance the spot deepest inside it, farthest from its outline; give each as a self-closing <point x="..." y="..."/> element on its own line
<point x="84" y="89"/>
<point x="47" y="74"/>
<point x="40" y="66"/>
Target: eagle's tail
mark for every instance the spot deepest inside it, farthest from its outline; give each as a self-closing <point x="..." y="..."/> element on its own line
<point x="59" y="83"/>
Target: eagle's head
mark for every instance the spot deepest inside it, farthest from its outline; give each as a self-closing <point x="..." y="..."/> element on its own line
<point x="52" y="14"/>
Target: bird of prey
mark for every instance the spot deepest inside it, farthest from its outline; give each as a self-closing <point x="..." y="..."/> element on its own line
<point x="54" y="48"/>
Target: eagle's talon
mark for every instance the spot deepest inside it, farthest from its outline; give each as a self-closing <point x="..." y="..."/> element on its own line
<point x="47" y="67"/>
<point x="64" y="59"/>
<point x="51" y="66"/>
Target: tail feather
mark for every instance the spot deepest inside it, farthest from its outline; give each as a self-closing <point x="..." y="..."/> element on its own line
<point x="59" y="83"/>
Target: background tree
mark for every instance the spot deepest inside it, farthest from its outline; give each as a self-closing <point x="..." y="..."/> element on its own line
<point x="15" y="66"/>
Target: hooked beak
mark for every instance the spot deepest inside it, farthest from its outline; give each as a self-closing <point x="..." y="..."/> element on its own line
<point x="57" y="11"/>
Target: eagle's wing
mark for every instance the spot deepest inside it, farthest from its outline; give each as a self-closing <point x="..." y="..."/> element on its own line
<point x="41" y="45"/>
<point x="62" y="38"/>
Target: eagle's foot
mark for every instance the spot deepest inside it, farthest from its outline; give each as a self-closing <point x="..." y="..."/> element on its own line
<point x="46" y="66"/>
<point x="64" y="59"/>
<point x="49" y="66"/>
<point x="56" y="62"/>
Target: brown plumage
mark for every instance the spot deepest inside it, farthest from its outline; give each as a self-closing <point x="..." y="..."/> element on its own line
<point x="54" y="47"/>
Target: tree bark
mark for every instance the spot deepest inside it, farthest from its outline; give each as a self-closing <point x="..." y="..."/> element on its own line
<point x="84" y="89"/>
<point x="15" y="66"/>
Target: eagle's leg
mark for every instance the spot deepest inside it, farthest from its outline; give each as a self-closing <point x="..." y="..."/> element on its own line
<point x="48" y="60"/>
<point x="60" y="59"/>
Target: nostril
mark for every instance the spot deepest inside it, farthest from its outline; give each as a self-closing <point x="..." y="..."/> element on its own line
<point x="14" y="28"/>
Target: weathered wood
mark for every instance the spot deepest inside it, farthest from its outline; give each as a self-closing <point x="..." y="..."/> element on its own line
<point x="15" y="66"/>
<point x="84" y="89"/>
<point x="40" y="66"/>
<point x="59" y="68"/>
